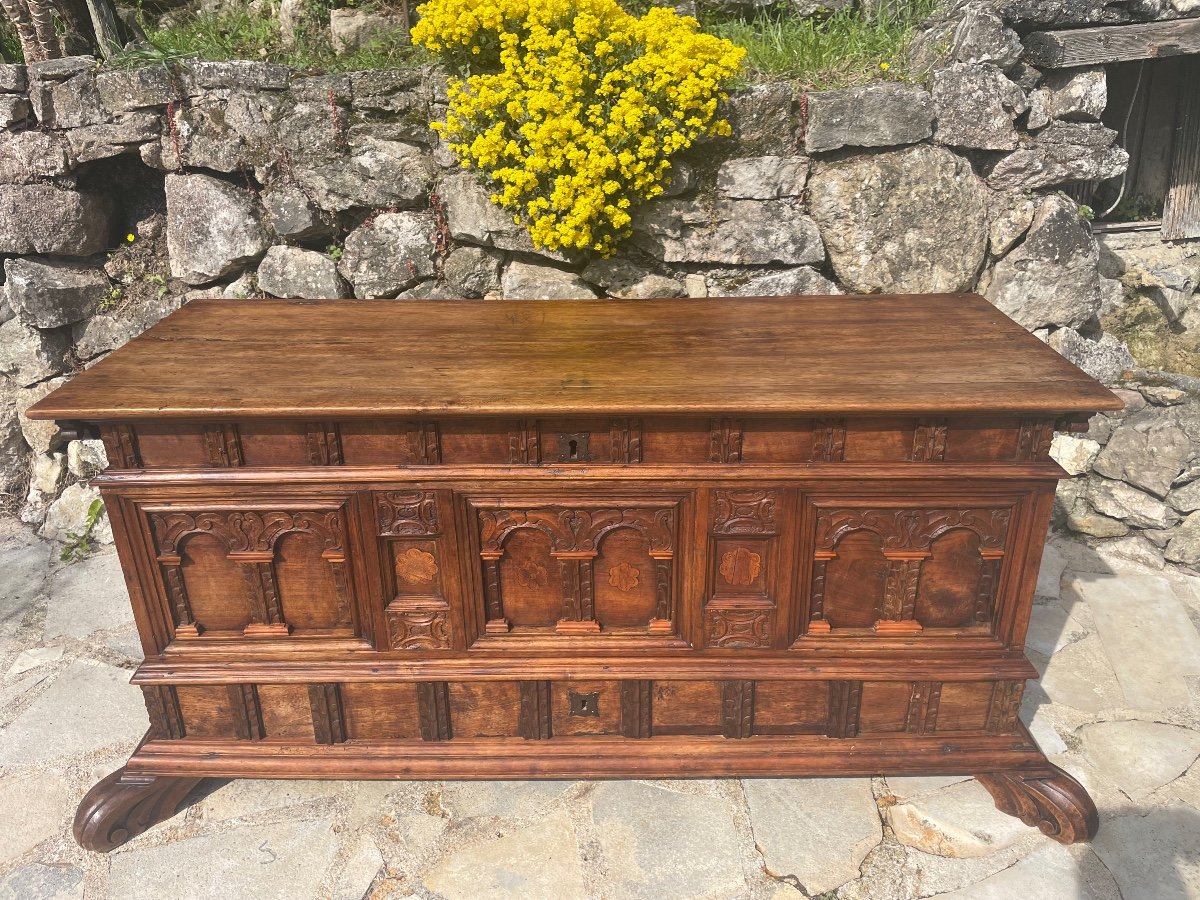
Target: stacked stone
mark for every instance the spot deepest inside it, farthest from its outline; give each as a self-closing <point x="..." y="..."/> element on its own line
<point x="280" y="184"/>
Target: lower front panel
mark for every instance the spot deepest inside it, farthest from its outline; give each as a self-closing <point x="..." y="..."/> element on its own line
<point x="629" y="710"/>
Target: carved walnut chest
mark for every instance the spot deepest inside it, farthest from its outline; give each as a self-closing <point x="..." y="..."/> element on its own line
<point x="576" y="539"/>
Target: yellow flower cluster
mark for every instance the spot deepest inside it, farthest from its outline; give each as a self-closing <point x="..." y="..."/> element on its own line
<point x="572" y="110"/>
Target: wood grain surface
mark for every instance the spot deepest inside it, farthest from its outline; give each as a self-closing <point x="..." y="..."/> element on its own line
<point x="938" y="353"/>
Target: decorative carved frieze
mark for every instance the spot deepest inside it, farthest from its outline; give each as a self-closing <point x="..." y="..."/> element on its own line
<point x="246" y="531"/>
<point x="912" y="529"/>
<point x="407" y="513"/>
<point x="745" y="512"/>
<point x="575" y="529"/>
<point x="737" y="628"/>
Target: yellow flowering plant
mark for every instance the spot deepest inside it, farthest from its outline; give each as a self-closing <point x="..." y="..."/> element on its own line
<point x="571" y="111"/>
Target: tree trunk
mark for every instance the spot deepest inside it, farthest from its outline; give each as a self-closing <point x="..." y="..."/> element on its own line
<point x="41" y="12"/>
<point x="19" y="15"/>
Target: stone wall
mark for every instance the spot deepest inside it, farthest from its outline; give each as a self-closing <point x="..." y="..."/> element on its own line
<point x="124" y="194"/>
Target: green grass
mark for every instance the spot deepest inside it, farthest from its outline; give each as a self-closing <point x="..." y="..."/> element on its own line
<point x="848" y="47"/>
<point x="241" y="34"/>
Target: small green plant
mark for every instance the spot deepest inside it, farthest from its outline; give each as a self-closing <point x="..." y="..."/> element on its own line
<point x="80" y="544"/>
<point x="159" y="282"/>
<point x="111" y="299"/>
<point x="334" y="252"/>
<point x="1086" y="212"/>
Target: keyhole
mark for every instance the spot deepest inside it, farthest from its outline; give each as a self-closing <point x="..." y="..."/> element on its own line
<point x="573" y="449"/>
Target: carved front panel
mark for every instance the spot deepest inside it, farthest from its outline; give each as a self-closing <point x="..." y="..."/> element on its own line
<point x="906" y="571"/>
<point x="578" y="568"/>
<point x="419" y="559"/>
<point x="255" y="571"/>
<point x="741" y="606"/>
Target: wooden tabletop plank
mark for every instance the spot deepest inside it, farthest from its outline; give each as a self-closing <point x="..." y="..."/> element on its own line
<point x="877" y="354"/>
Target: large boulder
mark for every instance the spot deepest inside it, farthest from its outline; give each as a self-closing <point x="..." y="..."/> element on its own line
<point x="975" y="107"/>
<point x="765" y="120"/>
<point x="1062" y="152"/>
<point x="472" y="271"/>
<point x="1149" y="451"/>
<point x="798" y="282"/>
<point x="627" y="280"/>
<point x="531" y="281"/>
<point x="69" y="102"/>
<point x="884" y="114"/>
<point x="473" y="218"/>
<point x="106" y="331"/>
<point x="126" y="90"/>
<point x="27" y="156"/>
<point x="39" y="434"/>
<point x="49" y="293"/>
<point x="45" y="218"/>
<point x="13" y="449"/>
<point x="354" y="29"/>
<point x="29" y="355"/>
<point x="1118" y="500"/>
<point x="213" y="228"/>
<point x="912" y="220"/>
<point x="1072" y="94"/>
<point x="970" y="36"/>
<point x="1053" y="278"/>
<point x="729" y="232"/>
<point x="292" y="216"/>
<point x="228" y="133"/>
<point x="1105" y="358"/>
<point x="295" y="272"/>
<point x="1185" y="545"/>
<point x="390" y="254"/>
<point x="127" y="134"/>
<point x="378" y="175"/>
<point x="762" y="177"/>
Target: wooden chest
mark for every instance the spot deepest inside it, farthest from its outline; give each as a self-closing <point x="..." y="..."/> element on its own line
<point x="789" y="536"/>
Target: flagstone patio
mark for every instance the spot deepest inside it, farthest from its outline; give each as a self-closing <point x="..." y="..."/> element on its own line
<point x="1118" y="706"/>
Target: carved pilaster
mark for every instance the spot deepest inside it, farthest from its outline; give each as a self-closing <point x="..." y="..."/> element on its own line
<point x="534" y="721"/>
<point x="121" y="447"/>
<point x="181" y="609"/>
<point x="329" y="723"/>
<point x="636" y="709"/>
<point x="1005" y="707"/>
<point x="626" y="440"/>
<point x="1034" y="439"/>
<point x="985" y="596"/>
<point x="737" y="709"/>
<point x="844" y="700"/>
<point x="829" y="440"/>
<point x="324" y="444"/>
<point x="424" y="443"/>
<point x="493" y="601"/>
<point x="661" y="623"/>
<point x="725" y="441"/>
<point x="818" y="624"/>
<point x="267" y="615"/>
<point x="162" y="705"/>
<point x="524" y="443"/>
<point x="223" y="446"/>
<point x="929" y="440"/>
<point x="921" y="717"/>
<point x="896" y="615"/>
<point x="433" y="705"/>
<point x="247" y="712"/>
<point x="341" y="584"/>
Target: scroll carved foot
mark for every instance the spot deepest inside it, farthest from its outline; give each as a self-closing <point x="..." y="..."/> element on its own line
<point x="1048" y="798"/>
<point x="122" y="806"/>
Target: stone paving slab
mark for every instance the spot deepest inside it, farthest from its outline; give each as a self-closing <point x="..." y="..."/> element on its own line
<point x="1119" y="708"/>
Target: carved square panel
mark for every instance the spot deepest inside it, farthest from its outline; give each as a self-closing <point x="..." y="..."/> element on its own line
<point x="605" y="707"/>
